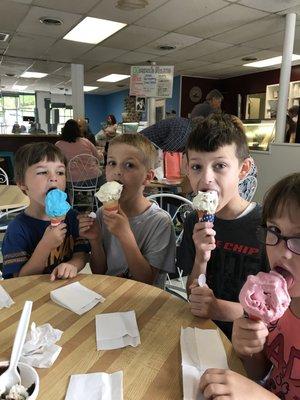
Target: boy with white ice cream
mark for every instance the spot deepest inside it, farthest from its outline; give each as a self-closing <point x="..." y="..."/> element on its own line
<point x="31" y="245"/>
<point x="226" y="250"/>
<point x="135" y="238"/>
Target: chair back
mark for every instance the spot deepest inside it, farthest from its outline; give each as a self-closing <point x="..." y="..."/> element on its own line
<point x="248" y="185"/>
<point x="84" y="173"/>
<point x="3" y="177"/>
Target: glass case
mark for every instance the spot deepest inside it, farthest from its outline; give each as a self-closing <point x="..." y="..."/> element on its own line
<point x="259" y="133"/>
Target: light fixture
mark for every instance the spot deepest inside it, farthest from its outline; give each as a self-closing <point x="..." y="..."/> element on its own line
<point x="269" y="61"/>
<point x="50" y="21"/>
<point x="113" y="78"/>
<point x="129" y="5"/>
<point x="93" y="30"/>
<point x="29" y="74"/>
<point x="89" y="88"/>
<point x="19" y="87"/>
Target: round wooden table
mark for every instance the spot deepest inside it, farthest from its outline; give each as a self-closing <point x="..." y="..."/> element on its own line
<point x="152" y="370"/>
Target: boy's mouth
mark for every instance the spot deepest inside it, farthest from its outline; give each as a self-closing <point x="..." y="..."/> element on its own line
<point x="286" y="274"/>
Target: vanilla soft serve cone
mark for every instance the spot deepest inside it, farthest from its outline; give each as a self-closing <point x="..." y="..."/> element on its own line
<point x="206" y="204"/>
<point x="109" y="195"/>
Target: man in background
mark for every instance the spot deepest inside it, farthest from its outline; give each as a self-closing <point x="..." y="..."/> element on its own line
<point x="85" y="130"/>
<point x="212" y="104"/>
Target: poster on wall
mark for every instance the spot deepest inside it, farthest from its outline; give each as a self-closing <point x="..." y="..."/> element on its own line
<point x="151" y="81"/>
<point x="140" y="104"/>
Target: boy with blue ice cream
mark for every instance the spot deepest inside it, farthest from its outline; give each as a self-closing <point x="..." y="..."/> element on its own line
<point x="31" y="245"/>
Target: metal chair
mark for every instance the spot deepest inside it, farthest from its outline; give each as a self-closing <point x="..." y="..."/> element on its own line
<point x="3" y="177"/>
<point x="81" y="179"/>
<point x="178" y="207"/>
<point x="248" y="185"/>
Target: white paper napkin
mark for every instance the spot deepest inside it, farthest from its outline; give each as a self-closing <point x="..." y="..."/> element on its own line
<point x="76" y="297"/>
<point x="200" y="349"/>
<point x="39" y="349"/>
<point x="116" y="330"/>
<point x="97" y="386"/>
<point x="5" y="299"/>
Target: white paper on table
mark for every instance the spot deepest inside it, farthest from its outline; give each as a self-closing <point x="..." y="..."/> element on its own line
<point x="96" y="386"/>
<point x="76" y="297"/>
<point x="200" y="349"/>
<point x="116" y="330"/>
<point x="5" y="299"/>
<point x="39" y="349"/>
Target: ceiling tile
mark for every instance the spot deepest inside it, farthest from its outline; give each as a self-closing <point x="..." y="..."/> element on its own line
<point x="260" y="55"/>
<point x="133" y="37"/>
<point x="103" y="54"/>
<point x="171" y="39"/>
<point x="66" y="50"/>
<point x="182" y="15"/>
<point x="220" y="21"/>
<point x="134" y="57"/>
<point x="77" y="6"/>
<point x="106" y="10"/>
<point x="265" y="26"/>
<point x="227" y="54"/>
<point x="48" y="67"/>
<point x="31" y="23"/>
<point x="267" y="42"/>
<point x="31" y="45"/>
<point x="11" y="15"/>
<point x="270" y="5"/>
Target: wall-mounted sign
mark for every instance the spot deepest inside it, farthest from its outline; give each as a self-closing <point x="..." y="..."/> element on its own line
<point x="151" y="81"/>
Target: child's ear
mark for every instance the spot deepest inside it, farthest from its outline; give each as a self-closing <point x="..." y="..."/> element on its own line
<point x="22" y="186"/>
<point x="245" y="168"/>
<point x="149" y="176"/>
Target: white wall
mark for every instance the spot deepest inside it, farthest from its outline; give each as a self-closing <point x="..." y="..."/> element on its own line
<point x="272" y="165"/>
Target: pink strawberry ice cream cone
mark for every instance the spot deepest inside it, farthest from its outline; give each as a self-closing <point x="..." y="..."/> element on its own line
<point x="265" y="296"/>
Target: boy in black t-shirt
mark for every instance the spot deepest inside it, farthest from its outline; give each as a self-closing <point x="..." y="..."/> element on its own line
<point x="227" y="250"/>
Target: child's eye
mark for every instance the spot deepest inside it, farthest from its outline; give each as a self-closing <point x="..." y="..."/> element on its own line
<point x="111" y="163"/>
<point x="61" y="173"/>
<point x="196" y="167"/>
<point x="42" y="173"/>
<point x="274" y="228"/>
<point x="129" y="165"/>
<point x="220" y="166"/>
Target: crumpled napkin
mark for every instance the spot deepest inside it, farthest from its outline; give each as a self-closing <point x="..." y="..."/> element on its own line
<point x="96" y="386"/>
<point x="76" y="297"/>
<point x="200" y="349"/>
<point x="116" y="330"/>
<point x="39" y="349"/>
<point x="5" y="299"/>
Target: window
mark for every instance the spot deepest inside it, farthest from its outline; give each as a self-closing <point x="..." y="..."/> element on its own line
<point x="13" y="107"/>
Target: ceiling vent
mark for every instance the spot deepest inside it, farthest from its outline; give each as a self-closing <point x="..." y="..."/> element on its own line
<point x="249" y="59"/>
<point x="166" y="47"/>
<point x="50" y="21"/>
<point x="129" y="5"/>
<point x="10" y="75"/>
<point x="3" y="37"/>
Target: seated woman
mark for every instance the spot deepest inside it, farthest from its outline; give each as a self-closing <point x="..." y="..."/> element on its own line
<point x="73" y="144"/>
<point x="108" y="132"/>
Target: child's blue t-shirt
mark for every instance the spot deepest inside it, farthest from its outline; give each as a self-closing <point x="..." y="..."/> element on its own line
<point x="25" y="232"/>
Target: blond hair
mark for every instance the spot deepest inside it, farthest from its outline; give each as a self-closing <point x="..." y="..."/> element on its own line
<point x="141" y="143"/>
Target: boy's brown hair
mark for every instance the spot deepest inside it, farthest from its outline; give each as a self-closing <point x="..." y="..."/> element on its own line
<point x="33" y="153"/>
<point x="282" y="197"/>
<point x="141" y="143"/>
<point x="218" y="130"/>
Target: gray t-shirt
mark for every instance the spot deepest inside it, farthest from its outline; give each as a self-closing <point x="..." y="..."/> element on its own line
<point x="154" y="233"/>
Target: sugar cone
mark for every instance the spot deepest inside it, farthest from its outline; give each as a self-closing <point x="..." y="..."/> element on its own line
<point x="111" y="206"/>
<point x="57" y="220"/>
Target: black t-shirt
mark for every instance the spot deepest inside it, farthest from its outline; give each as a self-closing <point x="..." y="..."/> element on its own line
<point x="237" y="255"/>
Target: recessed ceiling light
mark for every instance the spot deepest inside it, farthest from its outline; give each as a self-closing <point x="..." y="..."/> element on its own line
<point x="10" y="75"/>
<point x="131" y="4"/>
<point x="29" y="74"/>
<point x="166" y="47"/>
<point x="113" y="78"/>
<point x="19" y="87"/>
<point x="89" y="88"/>
<point x="270" y="61"/>
<point x="50" y="21"/>
<point x="249" y="58"/>
<point x="93" y="30"/>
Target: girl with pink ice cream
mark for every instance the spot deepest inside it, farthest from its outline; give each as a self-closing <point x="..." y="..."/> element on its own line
<point x="268" y="342"/>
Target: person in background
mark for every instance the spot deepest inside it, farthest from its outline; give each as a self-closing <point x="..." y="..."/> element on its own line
<point x="227" y="250"/>
<point x="106" y="134"/>
<point x="291" y="124"/>
<point x="71" y="144"/>
<point x="271" y="353"/>
<point x="138" y="241"/>
<point x="212" y="104"/>
<point x="31" y="245"/>
<point x="85" y="130"/>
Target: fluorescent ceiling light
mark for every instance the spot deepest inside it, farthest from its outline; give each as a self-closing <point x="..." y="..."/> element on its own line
<point x="93" y="30"/>
<point x="113" y="78"/>
<point x="89" y="88"/>
<point x="270" y="61"/>
<point x="19" y="87"/>
<point x="29" y="74"/>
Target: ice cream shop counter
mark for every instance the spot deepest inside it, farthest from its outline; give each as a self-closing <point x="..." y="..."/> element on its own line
<point x="11" y="142"/>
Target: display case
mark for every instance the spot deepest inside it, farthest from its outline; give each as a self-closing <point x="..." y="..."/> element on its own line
<point x="259" y="133"/>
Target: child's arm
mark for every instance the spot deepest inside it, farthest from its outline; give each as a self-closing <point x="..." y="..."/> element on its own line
<point x="139" y="267"/>
<point x="52" y="238"/>
<point x="248" y="339"/>
<point x="89" y="228"/>
<point x="69" y="269"/>
<point x="226" y="384"/>
<point x="204" y="241"/>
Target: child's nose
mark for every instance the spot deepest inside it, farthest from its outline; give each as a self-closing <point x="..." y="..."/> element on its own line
<point x="53" y="178"/>
<point x="207" y="176"/>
